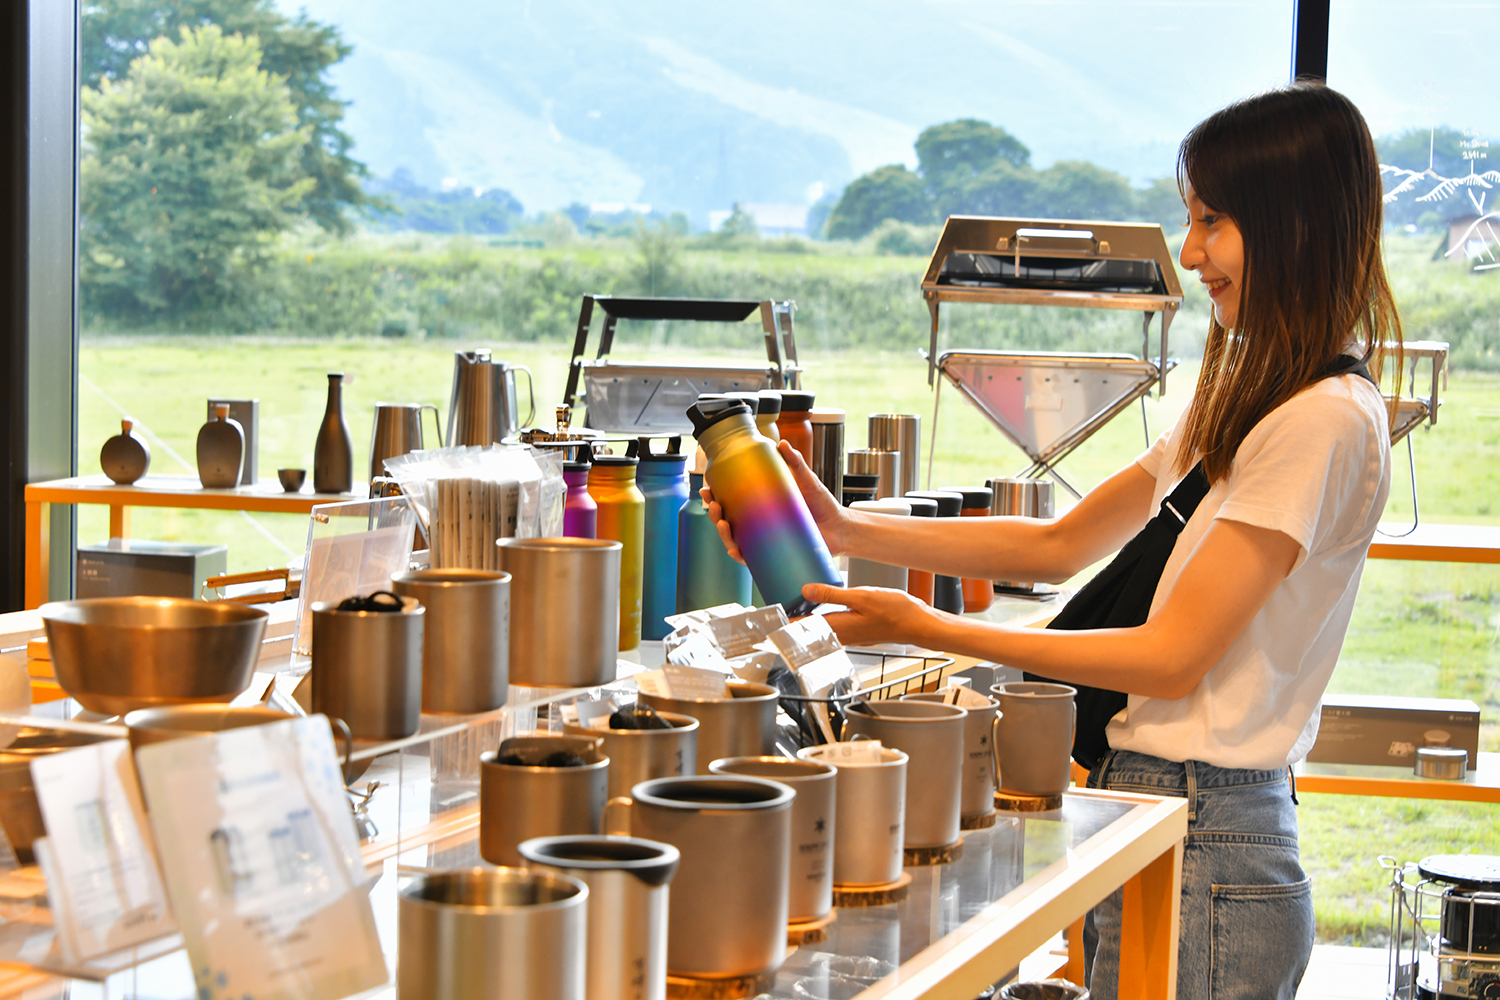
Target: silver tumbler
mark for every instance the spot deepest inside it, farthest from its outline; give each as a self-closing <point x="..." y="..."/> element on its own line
<point x="828" y="448"/>
<point x="885" y="464"/>
<point x="932" y="736"/>
<point x="564" y="610"/>
<point x="628" y="882"/>
<point x="901" y="433"/>
<point x="871" y="807"/>
<point x="474" y="933"/>
<point x="742" y="725"/>
<point x="466" y="641"/>
<point x="1020" y="498"/>
<point x="367" y="669"/>
<point x="867" y="572"/>
<point x="637" y="755"/>
<point x="977" y="793"/>
<point x="521" y="801"/>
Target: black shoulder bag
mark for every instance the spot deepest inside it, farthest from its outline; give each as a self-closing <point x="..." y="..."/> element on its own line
<point x="1120" y="596"/>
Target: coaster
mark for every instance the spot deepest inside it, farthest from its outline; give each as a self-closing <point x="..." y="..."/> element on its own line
<point x="918" y="857"/>
<point x="810" y="931"/>
<point x="977" y="821"/>
<point x="734" y="988"/>
<point x="1009" y="802"/>
<point x="856" y="896"/>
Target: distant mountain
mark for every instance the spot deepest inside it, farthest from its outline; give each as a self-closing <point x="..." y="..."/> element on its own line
<point x="694" y="106"/>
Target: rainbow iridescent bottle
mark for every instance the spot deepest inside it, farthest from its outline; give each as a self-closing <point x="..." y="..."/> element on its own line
<point x="662" y="478"/>
<point x="772" y="526"/>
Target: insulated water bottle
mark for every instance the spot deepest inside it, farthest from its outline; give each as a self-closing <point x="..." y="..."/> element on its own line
<point x="795" y="423"/>
<point x="662" y="479"/>
<point x="706" y="576"/>
<point x="919" y="581"/>
<point x="622" y="518"/>
<point x="978" y="594"/>
<point x="768" y="413"/>
<point x="947" y="591"/>
<point x="580" y="513"/>
<point x="772" y="526"/>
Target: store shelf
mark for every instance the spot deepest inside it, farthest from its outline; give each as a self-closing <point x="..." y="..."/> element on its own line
<point x="1481" y="784"/>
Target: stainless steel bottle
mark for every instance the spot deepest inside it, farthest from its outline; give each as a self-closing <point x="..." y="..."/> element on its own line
<point x="622" y="518"/>
<point x="663" y="482"/>
<point x="333" y="457"/>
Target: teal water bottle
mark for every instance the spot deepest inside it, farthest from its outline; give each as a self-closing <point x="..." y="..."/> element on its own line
<point x="706" y="576"/>
<point x="662" y="480"/>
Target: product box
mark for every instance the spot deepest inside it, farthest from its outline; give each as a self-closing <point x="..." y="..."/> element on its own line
<point x="130" y="567"/>
<point x="1380" y="729"/>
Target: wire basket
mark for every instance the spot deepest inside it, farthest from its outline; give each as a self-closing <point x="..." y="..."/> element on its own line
<point x="894" y="675"/>
<point x="1445" y="939"/>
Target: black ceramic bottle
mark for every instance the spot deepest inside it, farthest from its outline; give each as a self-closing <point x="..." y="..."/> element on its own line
<point x="333" y="457"/>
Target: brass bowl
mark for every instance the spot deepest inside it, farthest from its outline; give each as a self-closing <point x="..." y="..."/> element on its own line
<point x="20" y="814"/>
<point x="118" y="654"/>
<point x="176" y="722"/>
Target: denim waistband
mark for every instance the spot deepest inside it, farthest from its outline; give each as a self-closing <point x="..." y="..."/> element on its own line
<point x="1127" y="766"/>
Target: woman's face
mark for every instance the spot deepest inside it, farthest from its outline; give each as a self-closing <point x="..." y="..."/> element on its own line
<point x="1215" y="250"/>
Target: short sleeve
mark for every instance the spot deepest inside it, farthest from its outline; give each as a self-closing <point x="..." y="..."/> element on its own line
<point x="1153" y="458"/>
<point x="1311" y="470"/>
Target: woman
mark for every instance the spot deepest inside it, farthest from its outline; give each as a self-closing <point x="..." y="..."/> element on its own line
<point x="1225" y="677"/>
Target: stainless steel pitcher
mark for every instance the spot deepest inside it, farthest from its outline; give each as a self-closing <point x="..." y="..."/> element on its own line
<point x="396" y="431"/>
<point x="483" y="408"/>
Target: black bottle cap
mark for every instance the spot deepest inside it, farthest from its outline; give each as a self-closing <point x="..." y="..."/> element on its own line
<point x="750" y="399"/>
<point x="770" y="402"/>
<point x="707" y="412"/>
<point x="860" y="480"/>
<point x="949" y="504"/>
<point x="672" y="454"/>
<point x="975" y="497"/>
<point x="796" y="401"/>
<point x="922" y="506"/>
<point x="629" y="458"/>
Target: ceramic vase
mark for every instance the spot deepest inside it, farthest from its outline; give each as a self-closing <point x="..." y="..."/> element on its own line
<point x="221" y="448"/>
<point x="126" y="456"/>
<point x="333" y="456"/>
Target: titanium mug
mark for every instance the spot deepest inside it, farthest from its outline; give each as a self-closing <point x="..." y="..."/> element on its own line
<point x="1034" y="738"/>
<point x="520" y="801"/>
<point x="742" y="725"/>
<point x="466" y="640"/>
<point x="637" y="755"/>
<point x="977" y="793"/>
<point x="870" y="806"/>
<point x="367" y="669"/>
<point x="932" y="736"/>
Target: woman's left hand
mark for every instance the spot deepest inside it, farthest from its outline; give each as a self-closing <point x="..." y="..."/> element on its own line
<point x="875" y="614"/>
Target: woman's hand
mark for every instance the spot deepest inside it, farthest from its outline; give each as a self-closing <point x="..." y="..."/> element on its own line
<point x="875" y="614"/>
<point x="826" y="512"/>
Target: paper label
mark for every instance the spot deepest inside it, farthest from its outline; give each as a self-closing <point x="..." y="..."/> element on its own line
<point x="692" y="683"/>
<point x="266" y="875"/>
<point x="652" y="682"/>
<point x="102" y="878"/>
<point x="969" y="698"/>
<point x="853" y="752"/>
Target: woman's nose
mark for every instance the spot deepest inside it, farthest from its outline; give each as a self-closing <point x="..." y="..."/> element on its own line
<point x="1191" y="254"/>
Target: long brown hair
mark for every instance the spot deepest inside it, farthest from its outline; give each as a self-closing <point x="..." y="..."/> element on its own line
<point x="1296" y="170"/>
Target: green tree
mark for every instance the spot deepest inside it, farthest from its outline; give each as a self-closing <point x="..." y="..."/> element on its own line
<point x="951" y="155"/>
<point x="1001" y="189"/>
<point x="656" y="249"/>
<point x="1161" y="202"/>
<point x="191" y="168"/>
<point x="890" y="192"/>
<point x="299" y="50"/>
<point x="1077" y="189"/>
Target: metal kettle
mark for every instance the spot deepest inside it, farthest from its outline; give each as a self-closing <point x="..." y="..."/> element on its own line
<point x="483" y="408"/>
<point x="396" y="431"/>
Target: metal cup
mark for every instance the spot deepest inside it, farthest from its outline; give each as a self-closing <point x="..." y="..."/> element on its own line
<point x="933" y="737"/>
<point x="901" y="433"/>
<point x="367" y="669"/>
<point x="637" y="755"/>
<point x="518" y="801"/>
<point x="474" y="933"/>
<point x="564" y="610"/>
<point x="885" y="464"/>
<point x="729" y="899"/>
<point x="977" y="793"/>
<point x="396" y="431"/>
<point x="466" y="641"/>
<point x="810" y="882"/>
<point x="870" y="802"/>
<point x="1020" y="498"/>
<point x="1034" y="738"/>
<point x="742" y="725"/>
<point x="828" y="448"/>
<point x="627" y="908"/>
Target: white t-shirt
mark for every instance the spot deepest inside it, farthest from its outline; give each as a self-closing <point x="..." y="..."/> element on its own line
<point x="1318" y="469"/>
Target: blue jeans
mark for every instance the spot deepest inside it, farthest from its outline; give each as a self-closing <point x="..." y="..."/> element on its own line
<point x="1247" y="916"/>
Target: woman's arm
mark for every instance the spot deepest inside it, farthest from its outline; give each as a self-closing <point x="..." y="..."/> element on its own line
<point x="1224" y="584"/>
<point x="984" y="548"/>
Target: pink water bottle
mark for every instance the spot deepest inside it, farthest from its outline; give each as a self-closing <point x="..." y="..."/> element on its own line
<point x="580" y="512"/>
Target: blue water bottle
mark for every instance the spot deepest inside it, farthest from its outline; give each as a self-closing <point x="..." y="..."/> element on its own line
<point x="706" y="576"/>
<point x="662" y="478"/>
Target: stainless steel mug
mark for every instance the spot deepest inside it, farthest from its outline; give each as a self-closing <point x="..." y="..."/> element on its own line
<point x="885" y="464"/>
<point x="901" y="433"/>
<point x="867" y="572"/>
<point x="628" y="882"/>
<point x="933" y="737"/>
<point x="977" y="793"/>
<point x="828" y="448"/>
<point x="729" y="899"/>
<point x="810" y="877"/>
<point x="474" y="933"/>
<point x="367" y="669"/>
<point x="564" y="610"/>
<point x="1020" y="498"/>
<point x="466" y="641"/>
<point x="396" y="431"/>
<point x="483" y="407"/>
<point x="1034" y="739"/>
<point x="742" y="725"/>
<point x="520" y="801"/>
<point x="637" y="755"/>
<point x="870" y="802"/>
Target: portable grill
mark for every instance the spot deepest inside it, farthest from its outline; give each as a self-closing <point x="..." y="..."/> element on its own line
<point x="641" y="399"/>
<point x="1048" y="403"/>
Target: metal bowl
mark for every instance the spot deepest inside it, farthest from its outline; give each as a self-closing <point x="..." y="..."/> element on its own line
<point x="119" y="654"/>
<point x="20" y="814"/>
<point x="177" y="722"/>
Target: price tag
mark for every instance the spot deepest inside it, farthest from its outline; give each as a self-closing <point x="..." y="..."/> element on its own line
<point x="853" y="752"/>
<point x="266" y="876"/>
<point x="102" y="878"/>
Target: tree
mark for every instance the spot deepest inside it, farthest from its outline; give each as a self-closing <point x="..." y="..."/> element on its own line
<point x="192" y="166"/>
<point x="299" y="50"/>
<point x="952" y="155"/>
<point x="656" y="252"/>
<point x="1161" y="202"/>
<point x="890" y="192"/>
<point x="1077" y="189"/>
<point x="1001" y="189"/>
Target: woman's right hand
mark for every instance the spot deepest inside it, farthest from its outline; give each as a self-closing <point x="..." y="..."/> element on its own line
<point x="828" y="515"/>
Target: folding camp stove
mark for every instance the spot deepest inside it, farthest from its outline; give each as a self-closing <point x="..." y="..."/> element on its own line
<point x="1048" y="403"/>
<point x="651" y="400"/>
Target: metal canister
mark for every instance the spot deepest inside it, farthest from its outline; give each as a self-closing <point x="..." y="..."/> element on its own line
<point x="518" y="801"/>
<point x="741" y="725"/>
<point x="466" y="639"/>
<point x="706" y="575"/>
<point x="947" y="591"/>
<point x="637" y="755"/>
<point x="474" y="932"/>
<point x="901" y="433"/>
<point x="1019" y="498"/>
<point x="884" y="464"/>
<point x="622" y="518"/>
<point x="978" y="594"/>
<point x="367" y="669"/>
<point x="663" y="482"/>
<point x="827" y="459"/>
<point x="564" y="608"/>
